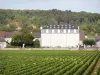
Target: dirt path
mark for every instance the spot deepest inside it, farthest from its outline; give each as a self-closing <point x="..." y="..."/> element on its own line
<point x="95" y="67"/>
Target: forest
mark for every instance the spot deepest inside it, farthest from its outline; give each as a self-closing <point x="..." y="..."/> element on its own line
<point x="31" y="20"/>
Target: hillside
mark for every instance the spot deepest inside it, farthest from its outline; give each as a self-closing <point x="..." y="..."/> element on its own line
<point x="11" y="20"/>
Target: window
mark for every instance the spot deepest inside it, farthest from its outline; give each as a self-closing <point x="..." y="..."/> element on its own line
<point x="69" y="27"/>
<point x="62" y="27"/>
<point x="65" y="27"/>
<point x="50" y="26"/>
<point x="72" y="26"/>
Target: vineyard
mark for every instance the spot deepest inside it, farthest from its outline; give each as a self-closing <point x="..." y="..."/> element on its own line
<point x="57" y="62"/>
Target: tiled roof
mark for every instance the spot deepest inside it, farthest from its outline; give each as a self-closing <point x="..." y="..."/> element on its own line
<point x="68" y="26"/>
<point x="82" y="36"/>
<point x="10" y="34"/>
<point x="37" y="34"/>
<point x="2" y="40"/>
<point x="2" y="34"/>
<point x="94" y="37"/>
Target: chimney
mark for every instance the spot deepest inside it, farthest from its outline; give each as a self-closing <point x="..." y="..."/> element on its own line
<point x="78" y="27"/>
<point x="41" y="28"/>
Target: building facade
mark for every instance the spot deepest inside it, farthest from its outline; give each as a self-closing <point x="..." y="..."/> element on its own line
<point x="3" y="43"/>
<point x="59" y="36"/>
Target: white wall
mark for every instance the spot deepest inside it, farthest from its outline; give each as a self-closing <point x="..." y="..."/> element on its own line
<point x="36" y="39"/>
<point x="72" y="39"/>
<point x="3" y="44"/>
<point x="45" y="40"/>
<point x="59" y="39"/>
<point x="8" y="40"/>
<point x="98" y="44"/>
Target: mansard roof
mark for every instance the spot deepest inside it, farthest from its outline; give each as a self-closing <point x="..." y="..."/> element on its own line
<point x="67" y="26"/>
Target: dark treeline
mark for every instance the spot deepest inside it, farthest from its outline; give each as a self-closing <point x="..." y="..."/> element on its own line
<point x="10" y="19"/>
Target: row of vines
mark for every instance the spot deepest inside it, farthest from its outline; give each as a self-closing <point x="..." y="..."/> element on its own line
<point x="49" y="62"/>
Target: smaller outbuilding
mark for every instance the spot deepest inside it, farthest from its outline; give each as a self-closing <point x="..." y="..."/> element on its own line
<point x="97" y="38"/>
<point x="3" y="43"/>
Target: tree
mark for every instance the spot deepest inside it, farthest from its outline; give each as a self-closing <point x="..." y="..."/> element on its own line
<point x="16" y="40"/>
<point x="89" y="42"/>
<point x="28" y="39"/>
<point x="9" y="28"/>
<point x="20" y="39"/>
<point x="92" y="42"/>
<point x="88" y="22"/>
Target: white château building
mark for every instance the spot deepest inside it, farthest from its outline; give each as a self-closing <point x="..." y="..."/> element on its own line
<point x="59" y="36"/>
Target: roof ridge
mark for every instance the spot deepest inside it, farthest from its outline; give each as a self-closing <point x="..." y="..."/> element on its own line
<point x="60" y="26"/>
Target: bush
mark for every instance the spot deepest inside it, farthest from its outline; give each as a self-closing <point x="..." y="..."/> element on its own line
<point x="19" y="39"/>
<point x="89" y="42"/>
<point x="37" y="43"/>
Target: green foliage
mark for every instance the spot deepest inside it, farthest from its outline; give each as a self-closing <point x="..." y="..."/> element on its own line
<point x="89" y="42"/>
<point x="19" y="39"/>
<point x="51" y="62"/>
<point x="37" y="43"/>
<point x="85" y="66"/>
<point x="91" y="67"/>
<point x="8" y="28"/>
<point x="28" y="39"/>
<point x="88" y="22"/>
<point x="97" y="70"/>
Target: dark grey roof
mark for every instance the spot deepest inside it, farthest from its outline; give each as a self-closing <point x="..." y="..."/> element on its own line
<point x="10" y="34"/>
<point x="82" y="36"/>
<point x="37" y="34"/>
<point x="91" y="37"/>
<point x="94" y="37"/>
<point x="2" y="34"/>
<point x="97" y="38"/>
<point x="68" y="26"/>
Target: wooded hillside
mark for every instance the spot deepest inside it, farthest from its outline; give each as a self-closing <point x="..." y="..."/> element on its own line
<point x="11" y="20"/>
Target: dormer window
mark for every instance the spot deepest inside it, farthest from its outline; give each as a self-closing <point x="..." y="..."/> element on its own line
<point x="61" y="27"/>
<point x="65" y="27"/>
<point x="69" y="27"/>
<point x="73" y="27"/>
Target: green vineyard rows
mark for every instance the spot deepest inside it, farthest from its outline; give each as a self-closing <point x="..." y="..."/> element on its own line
<point x="54" y="62"/>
